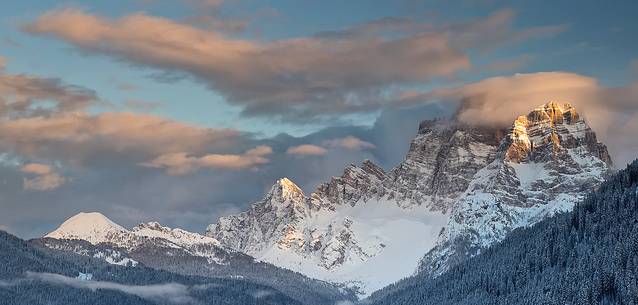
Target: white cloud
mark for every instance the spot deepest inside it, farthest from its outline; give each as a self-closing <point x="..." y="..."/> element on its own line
<point x="172" y="292"/>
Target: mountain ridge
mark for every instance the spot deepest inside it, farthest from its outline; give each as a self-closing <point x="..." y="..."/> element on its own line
<point x="473" y="185"/>
<point x="460" y="189"/>
<point x="181" y="252"/>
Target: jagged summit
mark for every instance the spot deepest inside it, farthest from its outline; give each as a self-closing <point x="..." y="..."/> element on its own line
<point x="548" y="133"/>
<point x="93" y="227"/>
<point x="285" y="189"/>
<point x="553" y="113"/>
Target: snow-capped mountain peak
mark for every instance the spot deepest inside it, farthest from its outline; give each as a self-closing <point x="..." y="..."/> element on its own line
<point x="92" y="227"/>
<point x="284" y="190"/>
<point x="98" y="229"/>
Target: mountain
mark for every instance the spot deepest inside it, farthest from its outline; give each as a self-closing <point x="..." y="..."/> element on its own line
<point x="179" y="251"/>
<point x="333" y="240"/>
<point x="38" y="276"/>
<point x="587" y="256"/>
<point x="96" y="229"/>
<point x="460" y="189"/>
<point x="547" y="162"/>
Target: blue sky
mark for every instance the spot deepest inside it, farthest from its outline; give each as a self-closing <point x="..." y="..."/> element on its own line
<point x="149" y="127"/>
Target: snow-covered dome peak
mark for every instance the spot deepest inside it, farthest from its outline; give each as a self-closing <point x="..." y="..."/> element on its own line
<point x="93" y="227"/>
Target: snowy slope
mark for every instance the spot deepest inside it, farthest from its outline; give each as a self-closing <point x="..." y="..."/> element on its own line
<point x="461" y="188"/>
<point x="373" y="233"/>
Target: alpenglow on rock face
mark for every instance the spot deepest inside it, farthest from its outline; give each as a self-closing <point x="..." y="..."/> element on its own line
<point x="460" y="188"/>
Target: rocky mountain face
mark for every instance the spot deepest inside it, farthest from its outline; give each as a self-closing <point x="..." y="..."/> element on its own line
<point x="547" y="162"/>
<point x="179" y="251"/>
<point x="460" y="189"/>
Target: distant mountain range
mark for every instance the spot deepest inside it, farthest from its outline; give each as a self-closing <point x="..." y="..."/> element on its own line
<point x="461" y="189"/>
<point x="181" y="252"/>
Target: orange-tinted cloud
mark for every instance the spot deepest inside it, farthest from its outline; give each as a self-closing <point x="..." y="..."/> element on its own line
<point x="304" y="76"/>
<point x="610" y="111"/>
<point x="45" y="178"/>
<point x="24" y="95"/>
<point x="349" y="142"/>
<point x="182" y="163"/>
<point x="75" y="137"/>
<point x="307" y="150"/>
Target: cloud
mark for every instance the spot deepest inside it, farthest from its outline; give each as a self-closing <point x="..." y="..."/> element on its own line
<point x="307" y="149"/>
<point x="45" y="177"/>
<point x="24" y="95"/>
<point x="325" y="74"/>
<point x="76" y="137"/>
<point x="350" y="143"/>
<point x="292" y="79"/>
<point x="496" y="101"/>
<point x="181" y="163"/>
<point x="171" y="292"/>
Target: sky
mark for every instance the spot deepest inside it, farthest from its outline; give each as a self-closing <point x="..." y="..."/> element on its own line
<point x="182" y="111"/>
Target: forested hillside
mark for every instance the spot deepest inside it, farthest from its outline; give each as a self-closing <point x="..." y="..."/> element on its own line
<point x="153" y="255"/>
<point x="588" y="256"/>
<point x="33" y="276"/>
